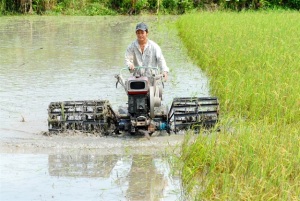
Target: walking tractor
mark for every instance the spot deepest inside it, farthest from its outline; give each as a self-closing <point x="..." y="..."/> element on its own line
<point x="144" y="114"/>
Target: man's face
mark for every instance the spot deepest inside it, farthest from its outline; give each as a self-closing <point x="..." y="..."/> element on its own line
<point x="141" y="35"/>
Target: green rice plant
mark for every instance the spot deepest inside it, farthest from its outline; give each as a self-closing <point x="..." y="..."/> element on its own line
<point x="253" y="61"/>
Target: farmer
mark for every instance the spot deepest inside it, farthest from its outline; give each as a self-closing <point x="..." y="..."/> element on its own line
<point x="145" y="52"/>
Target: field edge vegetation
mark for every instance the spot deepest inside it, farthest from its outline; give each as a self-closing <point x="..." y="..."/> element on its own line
<point x="135" y="7"/>
<point x="253" y="64"/>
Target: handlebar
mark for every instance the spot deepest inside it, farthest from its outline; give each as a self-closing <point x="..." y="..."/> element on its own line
<point x="140" y="67"/>
<point x="154" y="76"/>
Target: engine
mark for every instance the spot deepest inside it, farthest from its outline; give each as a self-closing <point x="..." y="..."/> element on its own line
<point x="138" y="98"/>
<point x="141" y="105"/>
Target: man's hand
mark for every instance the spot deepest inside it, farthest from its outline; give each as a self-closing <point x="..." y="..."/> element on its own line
<point x="131" y="67"/>
<point x="165" y="76"/>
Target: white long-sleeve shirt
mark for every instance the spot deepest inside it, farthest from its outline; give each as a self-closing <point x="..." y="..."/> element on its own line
<point x="151" y="57"/>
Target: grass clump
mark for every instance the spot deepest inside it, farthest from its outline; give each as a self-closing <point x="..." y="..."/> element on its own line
<point x="253" y="61"/>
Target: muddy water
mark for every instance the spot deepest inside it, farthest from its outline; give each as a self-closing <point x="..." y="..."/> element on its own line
<point x="44" y="59"/>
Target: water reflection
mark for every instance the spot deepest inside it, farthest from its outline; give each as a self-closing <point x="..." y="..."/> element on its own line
<point x="81" y="165"/>
<point x="145" y="182"/>
<point x="139" y="177"/>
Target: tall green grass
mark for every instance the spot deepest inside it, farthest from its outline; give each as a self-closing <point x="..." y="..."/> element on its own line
<point x="253" y="61"/>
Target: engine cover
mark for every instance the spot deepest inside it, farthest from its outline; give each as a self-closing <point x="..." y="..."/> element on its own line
<point x="137" y="85"/>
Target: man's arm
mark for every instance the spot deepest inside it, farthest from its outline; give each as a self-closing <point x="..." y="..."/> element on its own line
<point x="129" y="57"/>
<point x="161" y="63"/>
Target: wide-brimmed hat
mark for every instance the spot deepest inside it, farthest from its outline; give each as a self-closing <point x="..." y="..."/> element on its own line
<point x="141" y="26"/>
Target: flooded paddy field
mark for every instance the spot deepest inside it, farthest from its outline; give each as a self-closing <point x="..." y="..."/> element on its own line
<point x="46" y="59"/>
